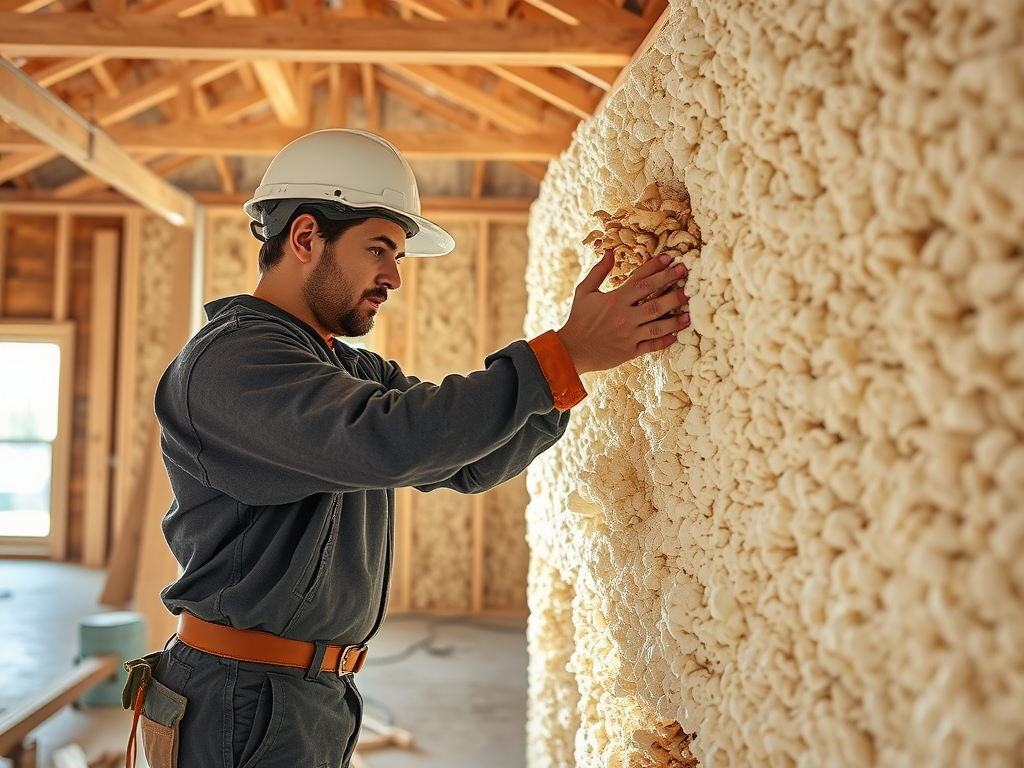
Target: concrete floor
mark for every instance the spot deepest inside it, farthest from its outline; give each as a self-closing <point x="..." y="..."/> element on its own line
<point x="456" y="685"/>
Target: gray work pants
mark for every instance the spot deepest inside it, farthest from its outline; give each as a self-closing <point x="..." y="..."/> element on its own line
<point x="244" y="715"/>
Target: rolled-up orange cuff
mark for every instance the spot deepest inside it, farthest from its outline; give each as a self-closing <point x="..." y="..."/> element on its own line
<point x="558" y="370"/>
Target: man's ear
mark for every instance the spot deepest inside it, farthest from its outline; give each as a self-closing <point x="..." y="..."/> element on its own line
<point x="300" y="236"/>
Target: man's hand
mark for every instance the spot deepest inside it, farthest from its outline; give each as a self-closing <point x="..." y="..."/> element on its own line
<point x="607" y="329"/>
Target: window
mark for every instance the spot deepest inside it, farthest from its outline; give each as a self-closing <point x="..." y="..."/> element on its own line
<point x="35" y="394"/>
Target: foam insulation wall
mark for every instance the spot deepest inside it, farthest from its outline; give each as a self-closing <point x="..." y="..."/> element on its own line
<point x="796" y="536"/>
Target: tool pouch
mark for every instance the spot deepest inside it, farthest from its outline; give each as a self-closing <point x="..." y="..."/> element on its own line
<point x="158" y="708"/>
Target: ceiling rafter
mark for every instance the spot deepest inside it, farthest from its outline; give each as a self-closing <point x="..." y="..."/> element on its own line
<point x="174" y="82"/>
<point x="262" y="140"/>
<point x="31" y="107"/>
<point x="272" y="75"/>
<point x="291" y="38"/>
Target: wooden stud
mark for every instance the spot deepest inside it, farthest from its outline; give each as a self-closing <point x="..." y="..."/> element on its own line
<point x="370" y="97"/>
<point x="157" y="566"/>
<point x="337" y="96"/>
<point x="127" y="357"/>
<point x="3" y="257"/>
<point x="103" y="331"/>
<point x="62" y="445"/>
<point x="62" y="267"/>
<point x="482" y="304"/>
<point x="406" y="509"/>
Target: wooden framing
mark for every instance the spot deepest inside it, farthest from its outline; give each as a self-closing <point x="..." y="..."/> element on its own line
<point x="62" y="334"/>
<point x="62" y="267"/>
<point x="483" y="246"/>
<point x="39" y="113"/>
<point x="290" y="38"/>
<point x="405" y="498"/>
<point x="142" y="497"/>
<point x="99" y="419"/>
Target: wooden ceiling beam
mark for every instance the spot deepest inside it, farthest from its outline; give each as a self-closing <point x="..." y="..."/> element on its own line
<point x="549" y="87"/>
<point x="37" y="112"/>
<point x="457" y="90"/>
<point x="292" y="38"/>
<point x="108" y="111"/>
<point x="54" y="72"/>
<point x="267" y="140"/>
<point x="272" y="76"/>
<point x="535" y="80"/>
<point x="22" y="6"/>
<point x="16" y="164"/>
<point x="576" y="12"/>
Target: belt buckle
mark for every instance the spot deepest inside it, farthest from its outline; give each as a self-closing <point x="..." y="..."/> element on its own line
<point x="361" y="650"/>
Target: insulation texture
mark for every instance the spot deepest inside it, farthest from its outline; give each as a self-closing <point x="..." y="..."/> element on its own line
<point x="445" y="333"/>
<point x="233" y="253"/>
<point x="505" y="553"/>
<point x="797" y="533"/>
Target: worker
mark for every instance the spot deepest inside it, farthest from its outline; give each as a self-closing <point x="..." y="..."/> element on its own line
<point x="283" y="446"/>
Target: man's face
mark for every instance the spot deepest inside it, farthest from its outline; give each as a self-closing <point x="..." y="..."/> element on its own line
<point x="353" y="276"/>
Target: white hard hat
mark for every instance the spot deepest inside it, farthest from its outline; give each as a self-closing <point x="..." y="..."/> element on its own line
<point x="356" y="171"/>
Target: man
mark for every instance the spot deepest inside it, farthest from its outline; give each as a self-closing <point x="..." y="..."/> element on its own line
<point x="284" y="445"/>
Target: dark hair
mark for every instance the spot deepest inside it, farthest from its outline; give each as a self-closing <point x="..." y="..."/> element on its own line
<point x="329" y="230"/>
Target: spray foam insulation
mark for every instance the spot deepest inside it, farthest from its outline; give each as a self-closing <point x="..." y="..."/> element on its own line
<point x="794" y="539"/>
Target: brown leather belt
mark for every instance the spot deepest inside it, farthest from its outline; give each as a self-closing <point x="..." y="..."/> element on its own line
<point x="265" y="648"/>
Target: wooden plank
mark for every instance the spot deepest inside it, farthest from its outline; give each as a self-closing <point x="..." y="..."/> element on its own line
<point x="157" y="566"/>
<point x="207" y="138"/>
<point x="370" y="100"/>
<point x="62" y="445"/>
<point x="36" y="111"/>
<point x="271" y="75"/>
<point x="289" y="38"/>
<point x="551" y="88"/>
<point x="99" y="416"/>
<point x="602" y="77"/>
<point x="481" y="349"/>
<point x="109" y="111"/>
<point x="124" y="492"/>
<point x="337" y="97"/>
<point x="62" y="267"/>
<point x="17" y="722"/>
<point x="22" y="6"/>
<point x="469" y="97"/>
<point x="405" y="513"/>
<point x="3" y="257"/>
<point x="577" y="12"/>
<point x="18" y="163"/>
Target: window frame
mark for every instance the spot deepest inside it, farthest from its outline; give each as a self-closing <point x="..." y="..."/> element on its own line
<point x="54" y="544"/>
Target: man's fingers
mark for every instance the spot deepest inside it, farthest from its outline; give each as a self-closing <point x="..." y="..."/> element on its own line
<point x="662" y="333"/>
<point x="592" y="282"/>
<point x="651" y="277"/>
<point x="664" y="304"/>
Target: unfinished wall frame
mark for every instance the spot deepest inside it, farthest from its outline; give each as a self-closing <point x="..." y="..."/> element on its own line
<point x="62" y="334"/>
<point x="56" y="298"/>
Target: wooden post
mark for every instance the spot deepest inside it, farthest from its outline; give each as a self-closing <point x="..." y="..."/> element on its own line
<point x="405" y="498"/>
<point x="157" y="566"/>
<point x="62" y="267"/>
<point x="482" y="302"/>
<point x="3" y="252"/>
<point x="101" y="386"/>
<point x="127" y="368"/>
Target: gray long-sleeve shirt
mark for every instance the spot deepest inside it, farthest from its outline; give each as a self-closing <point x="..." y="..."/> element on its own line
<point x="283" y="454"/>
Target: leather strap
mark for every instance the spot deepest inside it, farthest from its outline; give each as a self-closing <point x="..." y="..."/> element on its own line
<point x="265" y="648"/>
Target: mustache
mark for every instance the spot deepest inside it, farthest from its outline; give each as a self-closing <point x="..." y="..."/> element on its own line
<point x="380" y="293"/>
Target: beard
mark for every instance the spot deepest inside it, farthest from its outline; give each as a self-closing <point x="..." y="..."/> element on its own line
<point x="331" y="298"/>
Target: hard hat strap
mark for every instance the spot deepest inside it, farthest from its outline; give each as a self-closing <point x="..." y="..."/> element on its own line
<point x="276" y="215"/>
